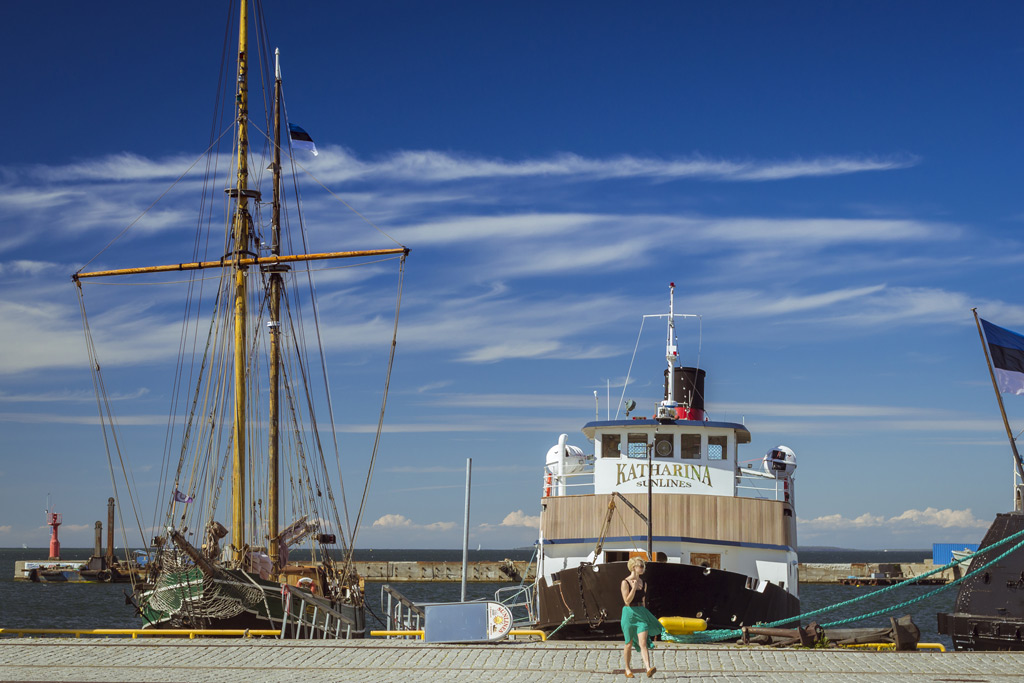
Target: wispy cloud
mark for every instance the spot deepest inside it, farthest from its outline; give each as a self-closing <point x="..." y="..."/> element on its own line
<point x="910" y="520"/>
<point x="435" y="166"/>
<point x="68" y="396"/>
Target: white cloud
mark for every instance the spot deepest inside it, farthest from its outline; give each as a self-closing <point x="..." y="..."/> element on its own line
<point x="433" y="166"/>
<point x="945" y="518"/>
<point x="908" y="520"/>
<point x="518" y="518"/>
<point x="393" y="521"/>
<point x="819" y="232"/>
<point x="78" y="396"/>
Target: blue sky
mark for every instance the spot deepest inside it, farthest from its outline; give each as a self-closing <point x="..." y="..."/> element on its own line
<point x="832" y="186"/>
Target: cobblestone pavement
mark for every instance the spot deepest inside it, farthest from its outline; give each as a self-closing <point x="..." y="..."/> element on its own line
<point x="244" y="661"/>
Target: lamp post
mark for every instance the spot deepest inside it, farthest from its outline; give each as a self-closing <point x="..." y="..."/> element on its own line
<point x="650" y="479"/>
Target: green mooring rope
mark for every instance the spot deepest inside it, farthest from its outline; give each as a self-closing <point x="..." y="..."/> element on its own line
<point x="729" y="634"/>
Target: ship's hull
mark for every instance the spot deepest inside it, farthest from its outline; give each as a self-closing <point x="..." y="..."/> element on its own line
<point x="591" y="594"/>
<point x="989" y="611"/>
<point x="237" y="600"/>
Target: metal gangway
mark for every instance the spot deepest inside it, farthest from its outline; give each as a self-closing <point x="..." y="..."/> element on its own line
<point x="311" y="617"/>
<point x="400" y="613"/>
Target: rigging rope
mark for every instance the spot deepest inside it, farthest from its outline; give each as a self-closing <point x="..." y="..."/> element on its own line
<point x="295" y="163"/>
<point x="380" y="421"/>
<point x="107" y="422"/>
<point x="729" y="634"/>
<point x="155" y="202"/>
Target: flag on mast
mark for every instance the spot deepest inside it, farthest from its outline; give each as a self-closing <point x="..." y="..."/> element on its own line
<point x="1006" y="349"/>
<point x="301" y="138"/>
<point x="181" y="497"/>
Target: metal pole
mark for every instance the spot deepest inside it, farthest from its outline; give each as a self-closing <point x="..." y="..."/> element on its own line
<point x="1018" y="466"/>
<point x="465" y="525"/>
<point x="650" y="519"/>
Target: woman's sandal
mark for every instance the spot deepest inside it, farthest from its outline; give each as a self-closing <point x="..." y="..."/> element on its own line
<point x="651" y="671"/>
<point x="629" y="674"/>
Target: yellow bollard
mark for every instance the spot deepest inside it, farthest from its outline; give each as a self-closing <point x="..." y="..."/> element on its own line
<point x="683" y="626"/>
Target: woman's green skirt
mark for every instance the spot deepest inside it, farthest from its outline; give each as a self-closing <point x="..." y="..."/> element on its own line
<point x="636" y="620"/>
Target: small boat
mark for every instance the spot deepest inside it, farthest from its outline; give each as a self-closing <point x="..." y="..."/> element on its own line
<point x="989" y="610"/>
<point x="719" y="539"/>
<point x="244" y="447"/>
<point x="962" y="557"/>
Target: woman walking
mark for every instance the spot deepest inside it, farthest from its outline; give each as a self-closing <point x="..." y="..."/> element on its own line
<point x="638" y="624"/>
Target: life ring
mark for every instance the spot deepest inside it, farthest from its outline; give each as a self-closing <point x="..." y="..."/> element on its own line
<point x="104" y="576"/>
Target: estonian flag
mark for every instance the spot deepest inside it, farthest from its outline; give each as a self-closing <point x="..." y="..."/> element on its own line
<point x="1007" y="351"/>
<point x="301" y="138"/>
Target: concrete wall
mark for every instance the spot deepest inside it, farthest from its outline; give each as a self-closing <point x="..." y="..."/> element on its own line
<point x="489" y="572"/>
<point x="833" y="573"/>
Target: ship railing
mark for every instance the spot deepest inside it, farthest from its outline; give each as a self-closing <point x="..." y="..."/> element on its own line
<point x="401" y="613"/>
<point x="311" y="617"/>
<point x="568" y="483"/>
<point x="519" y="600"/>
<point x="756" y="484"/>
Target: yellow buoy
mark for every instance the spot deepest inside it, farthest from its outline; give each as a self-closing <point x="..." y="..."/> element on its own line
<point x="683" y="626"/>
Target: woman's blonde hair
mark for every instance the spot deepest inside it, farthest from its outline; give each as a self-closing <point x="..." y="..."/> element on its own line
<point x="634" y="561"/>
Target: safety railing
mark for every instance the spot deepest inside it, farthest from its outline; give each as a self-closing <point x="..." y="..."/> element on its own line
<point x="750" y="483"/>
<point x="311" y="617"/>
<point x="519" y="600"/>
<point x="755" y="484"/>
<point x="568" y="483"/>
<point x="400" y="613"/>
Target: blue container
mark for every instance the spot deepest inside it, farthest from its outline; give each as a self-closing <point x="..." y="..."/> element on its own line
<point x="942" y="553"/>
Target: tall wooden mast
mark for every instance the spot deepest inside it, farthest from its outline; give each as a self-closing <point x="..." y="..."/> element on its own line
<point x="275" y="328"/>
<point x="240" y="228"/>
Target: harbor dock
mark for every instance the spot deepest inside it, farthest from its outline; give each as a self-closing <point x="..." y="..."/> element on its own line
<point x="514" y="571"/>
<point x="162" y="660"/>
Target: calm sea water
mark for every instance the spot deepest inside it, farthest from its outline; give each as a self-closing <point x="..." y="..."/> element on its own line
<point x="78" y="605"/>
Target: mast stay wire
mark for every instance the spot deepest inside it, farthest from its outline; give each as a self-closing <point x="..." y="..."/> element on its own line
<point x="700" y="336"/>
<point x="383" y="405"/>
<point x="296" y="164"/>
<point x="108" y="423"/>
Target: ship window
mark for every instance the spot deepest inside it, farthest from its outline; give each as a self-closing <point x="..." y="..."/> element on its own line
<point x="717" y="446"/>
<point x="689" y="446"/>
<point x="710" y="560"/>
<point x="610" y="445"/>
<point x="663" y="445"/>
<point x="637" y="447"/>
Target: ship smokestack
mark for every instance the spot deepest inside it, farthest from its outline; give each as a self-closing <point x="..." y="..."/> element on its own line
<point x="689" y="392"/>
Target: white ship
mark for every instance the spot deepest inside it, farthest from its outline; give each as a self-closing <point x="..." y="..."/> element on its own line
<point x="668" y="487"/>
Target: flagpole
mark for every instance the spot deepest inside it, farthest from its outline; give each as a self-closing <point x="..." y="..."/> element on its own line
<point x="1002" y="409"/>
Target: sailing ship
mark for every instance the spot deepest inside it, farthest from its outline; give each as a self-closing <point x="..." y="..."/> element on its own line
<point x="989" y="610"/>
<point x="719" y="539"/>
<point x="244" y="416"/>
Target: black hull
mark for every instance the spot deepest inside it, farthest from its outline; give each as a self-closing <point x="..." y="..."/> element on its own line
<point x="989" y="611"/>
<point x="592" y="595"/>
